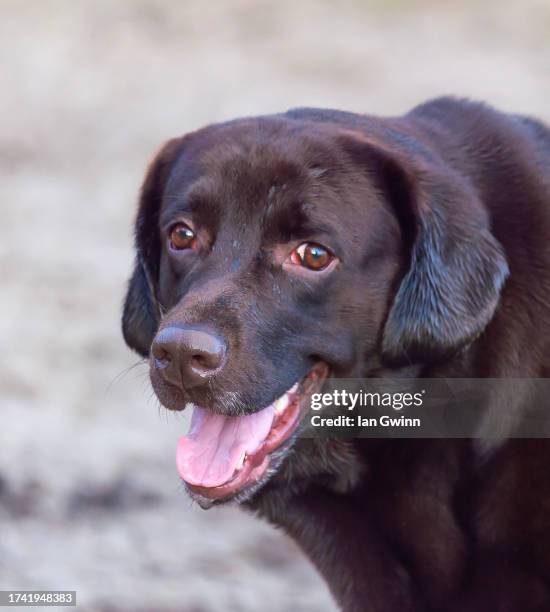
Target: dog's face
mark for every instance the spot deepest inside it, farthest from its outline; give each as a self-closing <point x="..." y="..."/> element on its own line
<point x="274" y="253"/>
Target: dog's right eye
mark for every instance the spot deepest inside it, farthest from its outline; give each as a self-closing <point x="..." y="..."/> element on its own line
<point x="182" y="237"/>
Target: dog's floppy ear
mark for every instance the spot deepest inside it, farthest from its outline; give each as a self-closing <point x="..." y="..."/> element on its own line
<point x="140" y="315"/>
<point x="141" y="312"/>
<point x="456" y="268"/>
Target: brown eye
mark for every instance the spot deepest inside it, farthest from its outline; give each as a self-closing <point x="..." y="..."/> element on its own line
<point x="182" y="237"/>
<point x="312" y="256"/>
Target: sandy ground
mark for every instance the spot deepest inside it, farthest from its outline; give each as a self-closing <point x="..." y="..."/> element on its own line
<point x="89" y="497"/>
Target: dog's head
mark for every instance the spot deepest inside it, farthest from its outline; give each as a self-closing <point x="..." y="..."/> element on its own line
<point x="274" y="252"/>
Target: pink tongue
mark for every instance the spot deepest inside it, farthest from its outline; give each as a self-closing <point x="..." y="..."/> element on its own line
<point x="208" y="456"/>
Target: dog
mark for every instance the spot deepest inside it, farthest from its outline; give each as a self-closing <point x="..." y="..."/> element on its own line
<point x="276" y="253"/>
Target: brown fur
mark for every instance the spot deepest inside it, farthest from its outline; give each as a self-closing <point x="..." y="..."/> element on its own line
<point x="441" y="221"/>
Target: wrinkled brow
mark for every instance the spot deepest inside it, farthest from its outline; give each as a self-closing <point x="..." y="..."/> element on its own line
<point x="199" y="200"/>
<point x="293" y="220"/>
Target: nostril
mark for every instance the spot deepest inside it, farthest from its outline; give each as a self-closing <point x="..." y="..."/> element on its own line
<point x="162" y="358"/>
<point x="198" y="361"/>
<point x="205" y="362"/>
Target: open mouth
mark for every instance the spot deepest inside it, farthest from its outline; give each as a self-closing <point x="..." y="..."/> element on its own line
<point x="223" y="455"/>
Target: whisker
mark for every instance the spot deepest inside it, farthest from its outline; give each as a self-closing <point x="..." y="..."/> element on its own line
<point x="126" y="371"/>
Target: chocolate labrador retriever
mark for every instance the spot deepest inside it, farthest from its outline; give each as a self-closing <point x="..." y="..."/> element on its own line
<point x="274" y="253"/>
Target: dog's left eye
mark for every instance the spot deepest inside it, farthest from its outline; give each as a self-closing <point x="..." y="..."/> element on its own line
<point x="312" y="256"/>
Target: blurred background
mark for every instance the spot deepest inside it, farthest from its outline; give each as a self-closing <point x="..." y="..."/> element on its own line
<point x="89" y="496"/>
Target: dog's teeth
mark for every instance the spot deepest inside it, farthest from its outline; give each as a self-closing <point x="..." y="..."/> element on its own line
<point x="240" y="463"/>
<point x="281" y="404"/>
<point x="294" y="388"/>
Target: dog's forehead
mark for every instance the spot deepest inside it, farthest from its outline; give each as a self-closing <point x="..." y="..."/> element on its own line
<point x="248" y="166"/>
<point x="253" y="154"/>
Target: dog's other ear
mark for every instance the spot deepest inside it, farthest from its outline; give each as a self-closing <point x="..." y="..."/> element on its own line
<point x="141" y="312"/>
<point x="140" y="315"/>
<point x="456" y="267"/>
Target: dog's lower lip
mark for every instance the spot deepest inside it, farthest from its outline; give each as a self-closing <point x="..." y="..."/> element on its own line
<point x="255" y="465"/>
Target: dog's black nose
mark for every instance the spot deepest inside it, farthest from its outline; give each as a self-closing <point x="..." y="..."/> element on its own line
<point x="187" y="356"/>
